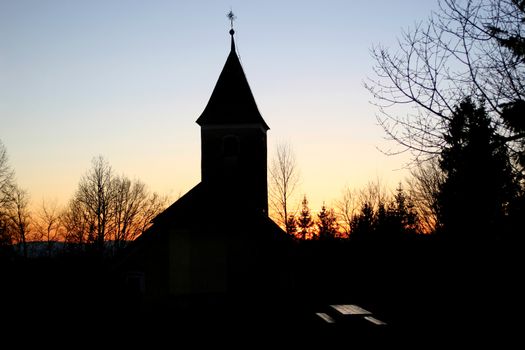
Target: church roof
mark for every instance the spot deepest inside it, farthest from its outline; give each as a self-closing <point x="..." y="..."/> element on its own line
<point x="231" y="101"/>
<point x="205" y="201"/>
<point x="205" y="209"/>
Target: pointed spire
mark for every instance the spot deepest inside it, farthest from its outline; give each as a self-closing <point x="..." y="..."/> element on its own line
<point x="231" y="101"/>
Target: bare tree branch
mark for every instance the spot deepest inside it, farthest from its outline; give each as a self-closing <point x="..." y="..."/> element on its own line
<point x="284" y="177"/>
<point x="109" y="208"/>
<point x="48" y="225"/>
<point x="454" y="54"/>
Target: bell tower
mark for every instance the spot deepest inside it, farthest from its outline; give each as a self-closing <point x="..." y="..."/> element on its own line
<point x="233" y="139"/>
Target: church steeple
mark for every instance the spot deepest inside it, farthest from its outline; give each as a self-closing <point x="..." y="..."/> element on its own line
<point x="233" y="139"/>
<point x="232" y="101"/>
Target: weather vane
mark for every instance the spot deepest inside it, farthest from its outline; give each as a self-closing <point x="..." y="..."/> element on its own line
<point x="231" y="17"/>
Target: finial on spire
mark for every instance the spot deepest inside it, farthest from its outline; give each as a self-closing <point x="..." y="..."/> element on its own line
<point x="232" y="18"/>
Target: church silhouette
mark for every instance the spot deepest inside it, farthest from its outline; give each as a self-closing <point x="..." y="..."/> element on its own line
<point x="217" y="243"/>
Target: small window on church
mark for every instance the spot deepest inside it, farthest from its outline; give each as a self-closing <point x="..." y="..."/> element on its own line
<point x="230" y="146"/>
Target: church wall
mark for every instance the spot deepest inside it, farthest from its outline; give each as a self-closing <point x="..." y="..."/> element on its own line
<point x="209" y="265"/>
<point x="197" y="263"/>
<point x="179" y="262"/>
<point x="156" y="267"/>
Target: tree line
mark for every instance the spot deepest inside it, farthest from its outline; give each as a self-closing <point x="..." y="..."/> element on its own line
<point x="472" y="190"/>
<point x="369" y="214"/>
<point x="106" y="212"/>
<point x="469" y="193"/>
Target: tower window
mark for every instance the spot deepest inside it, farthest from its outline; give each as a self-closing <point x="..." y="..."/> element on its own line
<point x="230" y="146"/>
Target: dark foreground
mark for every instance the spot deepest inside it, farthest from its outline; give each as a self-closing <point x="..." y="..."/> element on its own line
<point x="423" y="291"/>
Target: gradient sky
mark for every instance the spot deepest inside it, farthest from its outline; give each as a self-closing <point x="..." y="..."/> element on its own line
<point x="127" y="80"/>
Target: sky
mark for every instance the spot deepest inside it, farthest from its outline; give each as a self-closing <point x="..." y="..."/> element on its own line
<point x="127" y="79"/>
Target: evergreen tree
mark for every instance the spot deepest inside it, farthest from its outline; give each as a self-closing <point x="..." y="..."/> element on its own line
<point x="304" y="221"/>
<point x="291" y="225"/>
<point x="326" y="224"/>
<point x="382" y="222"/>
<point x="513" y="112"/>
<point x="362" y="223"/>
<point x="478" y="177"/>
<point x="403" y="213"/>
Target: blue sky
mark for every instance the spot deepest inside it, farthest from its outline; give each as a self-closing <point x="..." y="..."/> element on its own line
<point x="128" y="79"/>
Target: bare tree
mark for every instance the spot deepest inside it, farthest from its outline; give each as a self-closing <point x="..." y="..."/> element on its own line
<point x="125" y="206"/>
<point x="455" y="54"/>
<point x="109" y="208"/>
<point x="19" y="217"/>
<point x="95" y="194"/>
<point x="6" y="177"/>
<point x="284" y="178"/>
<point x="6" y="188"/>
<point x="424" y="186"/>
<point x="14" y="207"/>
<point x="75" y="223"/>
<point x="48" y="225"/>
<point x="132" y="209"/>
<point x="153" y="206"/>
<point x="374" y="194"/>
<point x="347" y="207"/>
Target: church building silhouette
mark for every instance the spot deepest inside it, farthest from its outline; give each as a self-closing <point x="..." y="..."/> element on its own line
<point x="217" y="240"/>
